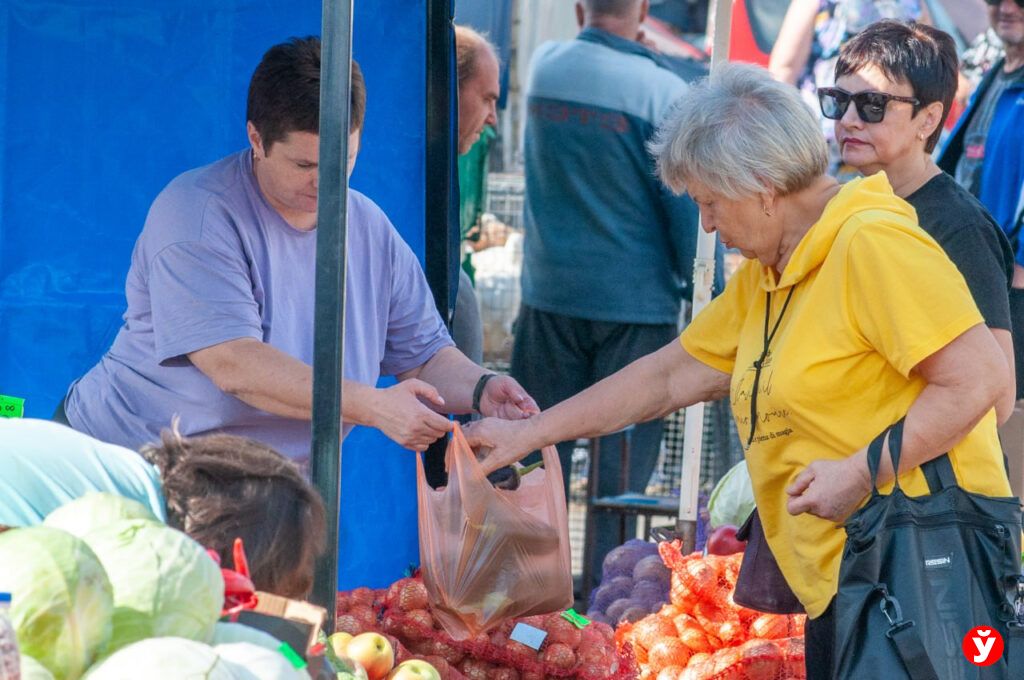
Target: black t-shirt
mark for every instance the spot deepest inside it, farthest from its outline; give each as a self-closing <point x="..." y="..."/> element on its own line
<point x="973" y="241"/>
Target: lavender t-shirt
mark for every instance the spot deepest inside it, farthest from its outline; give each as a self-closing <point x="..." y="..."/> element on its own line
<point x="215" y="262"/>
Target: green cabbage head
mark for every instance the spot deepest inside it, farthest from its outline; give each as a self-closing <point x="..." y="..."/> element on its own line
<point x="95" y="510"/>
<point x="228" y="633"/>
<point x="167" y="658"/>
<point x="61" y="601"/>
<point x="165" y="584"/>
<point x="732" y="499"/>
<point x="33" y="670"/>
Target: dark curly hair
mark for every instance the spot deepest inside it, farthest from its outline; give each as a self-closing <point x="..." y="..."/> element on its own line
<point x="221" y="487"/>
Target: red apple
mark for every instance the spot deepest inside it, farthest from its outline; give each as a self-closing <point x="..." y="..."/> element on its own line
<point x="414" y="669"/>
<point x="373" y="652"/>
<point x="723" y="541"/>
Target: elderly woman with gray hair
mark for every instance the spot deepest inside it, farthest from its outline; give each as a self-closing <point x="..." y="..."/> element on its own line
<point x="845" y="318"/>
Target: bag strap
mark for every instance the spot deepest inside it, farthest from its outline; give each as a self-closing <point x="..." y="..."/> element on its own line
<point x="875" y="459"/>
<point x="907" y="640"/>
<point x="938" y="472"/>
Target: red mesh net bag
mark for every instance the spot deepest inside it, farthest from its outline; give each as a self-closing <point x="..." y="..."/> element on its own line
<point x="404" y="614"/>
<point x="704" y="634"/>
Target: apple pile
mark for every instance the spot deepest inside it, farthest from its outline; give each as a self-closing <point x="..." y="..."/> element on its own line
<point x="703" y="633"/>
<point x="372" y="656"/>
<point x="634" y="583"/>
<point x="403" y="613"/>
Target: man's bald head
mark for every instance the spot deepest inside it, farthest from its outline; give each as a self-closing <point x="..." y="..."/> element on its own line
<point x="620" y="17"/>
<point x="612" y="8"/>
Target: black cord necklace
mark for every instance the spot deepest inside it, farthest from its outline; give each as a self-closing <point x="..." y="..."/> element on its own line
<point x="759" y="363"/>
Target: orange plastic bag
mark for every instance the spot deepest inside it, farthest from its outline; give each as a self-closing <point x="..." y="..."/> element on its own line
<point x="488" y="554"/>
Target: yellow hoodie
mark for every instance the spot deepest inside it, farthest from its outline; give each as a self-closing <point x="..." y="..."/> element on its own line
<point x="872" y="296"/>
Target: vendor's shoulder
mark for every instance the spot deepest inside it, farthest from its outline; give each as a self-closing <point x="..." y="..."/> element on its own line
<point x="362" y="206"/>
<point x="221" y="178"/>
<point x="198" y="202"/>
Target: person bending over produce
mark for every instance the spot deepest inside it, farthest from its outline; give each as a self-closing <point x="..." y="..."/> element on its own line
<point x="214" y="488"/>
<point x="219" y="324"/>
<point x="846" y="318"/>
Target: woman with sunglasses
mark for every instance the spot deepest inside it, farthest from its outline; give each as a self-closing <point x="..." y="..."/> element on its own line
<point x="811" y="35"/>
<point x="895" y="83"/>
<point x="845" y="318"/>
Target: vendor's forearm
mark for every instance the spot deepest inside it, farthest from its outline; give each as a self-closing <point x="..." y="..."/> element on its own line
<point x="453" y="375"/>
<point x="266" y="378"/>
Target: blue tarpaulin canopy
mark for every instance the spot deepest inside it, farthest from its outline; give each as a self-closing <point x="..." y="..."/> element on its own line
<point x="102" y="102"/>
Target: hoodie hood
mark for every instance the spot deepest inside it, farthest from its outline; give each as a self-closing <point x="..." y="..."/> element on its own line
<point x="858" y="199"/>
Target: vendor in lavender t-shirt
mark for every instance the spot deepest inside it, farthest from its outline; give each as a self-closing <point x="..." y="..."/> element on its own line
<point x="219" y="325"/>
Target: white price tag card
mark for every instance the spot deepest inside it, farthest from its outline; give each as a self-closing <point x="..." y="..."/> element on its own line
<point x="528" y="635"/>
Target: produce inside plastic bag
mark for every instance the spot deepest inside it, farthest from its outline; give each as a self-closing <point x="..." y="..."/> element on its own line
<point x="732" y="499"/>
<point x="490" y="554"/>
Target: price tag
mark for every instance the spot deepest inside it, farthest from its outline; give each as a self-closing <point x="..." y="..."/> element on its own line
<point x="528" y="635"/>
<point x="575" y="619"/>
<point x="11" y="407"/>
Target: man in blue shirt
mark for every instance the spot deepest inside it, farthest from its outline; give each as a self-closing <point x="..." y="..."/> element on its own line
<point x="608" y="250"/>
<point x="985" y="154"/>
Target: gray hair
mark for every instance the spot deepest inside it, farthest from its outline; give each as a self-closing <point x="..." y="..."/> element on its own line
<point x="739" y="132"/>
<point x="469" y="44"/>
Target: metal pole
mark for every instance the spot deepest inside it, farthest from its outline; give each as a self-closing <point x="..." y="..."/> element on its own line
<point x="703" y="280"/>
<point x="329" y="333"/>
<point x="441" y="241"/>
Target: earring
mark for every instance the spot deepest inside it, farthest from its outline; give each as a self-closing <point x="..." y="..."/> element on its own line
<point x="920" y="135"/>
<point x="767" y="212"/>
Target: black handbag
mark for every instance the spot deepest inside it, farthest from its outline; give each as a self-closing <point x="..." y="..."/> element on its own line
<point x="760" y="584"/>
<point x="918" y="573"/>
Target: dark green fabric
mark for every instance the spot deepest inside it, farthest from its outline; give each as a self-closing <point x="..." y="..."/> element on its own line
<point x="473" y="188"/>
<point x="950" y="560"/>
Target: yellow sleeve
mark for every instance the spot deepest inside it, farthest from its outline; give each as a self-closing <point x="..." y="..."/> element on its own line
<point x="905" y="296"/>
<point x="713" y="335"/>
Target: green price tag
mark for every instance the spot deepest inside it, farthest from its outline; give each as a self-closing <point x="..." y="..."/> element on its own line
<point x="293" y="657"/>
<point x="11" y="407"/>
<point x="575" y="619"/>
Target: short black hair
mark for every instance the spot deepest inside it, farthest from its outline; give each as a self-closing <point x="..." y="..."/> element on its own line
<point x="918" y="54"/>
<point x="284" y="93"/>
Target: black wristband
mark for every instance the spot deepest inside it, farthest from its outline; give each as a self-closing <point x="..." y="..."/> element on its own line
<point x="478" y="391"/>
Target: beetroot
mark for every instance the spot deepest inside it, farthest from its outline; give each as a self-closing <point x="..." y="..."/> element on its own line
<point x="649" y="593"/>
<point x="615" y="609"/>
<point x="651" y="568"/>
<point x="615" y="589"/>
<point x="633" y="614"/>
<point x="620" y="561"/>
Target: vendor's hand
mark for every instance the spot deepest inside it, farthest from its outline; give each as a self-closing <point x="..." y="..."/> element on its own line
<point x="830" y="489"/>
<point x="504" y="398"/>
<point x="502" y="442"/>
<point x="401" y="413"/>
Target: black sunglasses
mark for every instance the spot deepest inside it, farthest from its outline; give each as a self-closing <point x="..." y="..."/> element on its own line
<point x="993" y="3"/>
<point x="870" y="105"/>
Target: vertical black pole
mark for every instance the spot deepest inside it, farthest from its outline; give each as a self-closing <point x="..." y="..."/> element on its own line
<point x="440" y="160"/>
<point x="328" y="339"/>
